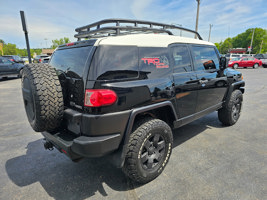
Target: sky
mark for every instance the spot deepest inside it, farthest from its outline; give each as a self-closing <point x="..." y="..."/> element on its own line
<point x="53" y="19"/>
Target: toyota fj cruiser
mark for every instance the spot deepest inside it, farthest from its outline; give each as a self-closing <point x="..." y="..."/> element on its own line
<point x="124" y="89"/>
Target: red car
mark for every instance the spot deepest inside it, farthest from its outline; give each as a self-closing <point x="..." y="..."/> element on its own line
<point x="245" y="62"/>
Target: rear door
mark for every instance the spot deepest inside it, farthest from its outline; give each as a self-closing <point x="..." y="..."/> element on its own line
<point x="244" y="62"/>
<point x="72" y="65"/>
<point x="251" y="62"/>
<point x="185" y="80"/>
<point x="6" y="67"/>
<point x="212" y="81"/>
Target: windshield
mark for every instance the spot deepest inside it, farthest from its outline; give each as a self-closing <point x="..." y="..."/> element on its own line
<point x="71" y="60"/>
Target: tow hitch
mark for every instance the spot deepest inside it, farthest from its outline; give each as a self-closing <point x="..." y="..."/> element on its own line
<point x="48" y="145"/>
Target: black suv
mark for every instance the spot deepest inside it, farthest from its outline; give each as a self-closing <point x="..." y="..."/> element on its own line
<point x="123" y="93"/>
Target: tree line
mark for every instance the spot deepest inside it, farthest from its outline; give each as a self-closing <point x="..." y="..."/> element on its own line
<point x="243" y="40"/>
<point x="11" y="49"/>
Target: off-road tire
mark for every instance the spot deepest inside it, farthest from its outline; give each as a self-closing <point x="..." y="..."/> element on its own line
<point x="230" y="112"/>
<point x="42" y="96"/>
<point x="149" y="150"/>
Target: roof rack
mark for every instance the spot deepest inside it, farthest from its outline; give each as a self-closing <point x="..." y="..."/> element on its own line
<point x="107" y="27"/>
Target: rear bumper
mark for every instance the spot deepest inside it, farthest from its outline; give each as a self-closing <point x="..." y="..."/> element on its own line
<point x="87" y="135"/>
<point x="83" y="146"/>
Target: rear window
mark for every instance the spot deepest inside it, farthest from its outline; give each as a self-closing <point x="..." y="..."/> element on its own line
<point x="115" y="62"/>
<point x="71" y="60"/>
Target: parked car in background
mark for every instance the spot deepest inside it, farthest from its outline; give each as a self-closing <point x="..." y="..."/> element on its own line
<point x="25" y="59"/>
<point x="230" y="56"/>
<point x="263" y="58"/>
<point x="9" y="68"/>
<point x="40" y="58"/>
<point x="245" y="62"/>
<point x="14" y="58"/>
<point x="46" y="60"/>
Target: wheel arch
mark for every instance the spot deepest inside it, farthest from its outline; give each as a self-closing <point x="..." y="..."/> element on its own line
<point x="239" y="85"/>
<point x="167" y="114"/>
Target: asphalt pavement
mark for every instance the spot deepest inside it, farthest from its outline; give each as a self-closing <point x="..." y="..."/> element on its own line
<point x="209" y="161"/>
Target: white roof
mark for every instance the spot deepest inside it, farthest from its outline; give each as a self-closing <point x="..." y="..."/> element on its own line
<point x="148" y="40"/>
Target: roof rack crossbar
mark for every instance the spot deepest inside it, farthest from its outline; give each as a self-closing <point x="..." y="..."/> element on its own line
<point x="106" y="28"/>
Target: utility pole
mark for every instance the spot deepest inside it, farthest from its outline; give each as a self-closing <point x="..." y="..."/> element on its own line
<point x="261" y="46"/>
<point x="210" y="31"/>
<point x="251" y="41"/>
<point x="45" y="42"/>
<point x="24" y="27"/>
<point x="198" y="2"/>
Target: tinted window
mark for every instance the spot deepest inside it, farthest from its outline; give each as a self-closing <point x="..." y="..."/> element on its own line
<point x="258" y="56"/>
<point x="5" y="61"/>
<point x="205" y="58"/>
<point x="181" y="59"/>
<point x="115" y="62"/>
<point x="71" y="60"/>
<point x="235" y="56"/>
<point x="153" y="62"/>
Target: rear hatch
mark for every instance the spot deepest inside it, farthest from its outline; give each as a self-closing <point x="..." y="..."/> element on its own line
<point x="71" y="62"/>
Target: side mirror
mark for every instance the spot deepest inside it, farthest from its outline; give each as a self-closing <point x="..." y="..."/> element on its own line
<point x="222" y="63"/>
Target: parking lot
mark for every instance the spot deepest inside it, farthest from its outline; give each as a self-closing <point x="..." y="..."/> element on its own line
<point x="208" y="161"/>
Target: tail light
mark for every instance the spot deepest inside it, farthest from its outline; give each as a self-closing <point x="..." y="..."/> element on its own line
<point x="40" y="60"/>
<point x="99" y="97"/>
<point x="12" y="60"/>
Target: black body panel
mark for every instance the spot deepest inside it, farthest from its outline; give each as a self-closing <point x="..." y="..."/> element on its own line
<point x="182" y="82"/>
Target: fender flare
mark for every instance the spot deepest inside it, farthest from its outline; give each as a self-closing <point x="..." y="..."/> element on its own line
<point x="236" y="85"/>
<point x="130" y="124"/>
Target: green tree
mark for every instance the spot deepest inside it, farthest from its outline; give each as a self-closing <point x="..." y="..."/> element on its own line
<point x="2" y="41"/>
<point x="225" y="46"/>
<point x="10" y="49"/>
<point x="56" y="42"/>
<point x="243" y="40"/>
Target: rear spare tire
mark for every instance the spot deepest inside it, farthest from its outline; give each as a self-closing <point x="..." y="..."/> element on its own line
<point x="42" y="96"/>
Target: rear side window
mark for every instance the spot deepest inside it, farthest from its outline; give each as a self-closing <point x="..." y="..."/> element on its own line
<point x="205" y="58"/>
<point x="115" y="62"/>
<point x="71" y="60"/>
<point x="181" y="59"/>
<point x="154" y="62"/>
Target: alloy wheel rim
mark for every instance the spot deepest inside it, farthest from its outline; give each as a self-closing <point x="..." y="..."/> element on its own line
<point x="152" y="152"/>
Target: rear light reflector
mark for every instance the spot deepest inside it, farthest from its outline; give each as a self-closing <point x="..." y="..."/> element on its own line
<point x="70" y="44"/>
<point x="99" y="97"/>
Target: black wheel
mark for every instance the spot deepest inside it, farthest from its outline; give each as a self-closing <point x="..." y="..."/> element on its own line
<point x="256" y="65"/>
<point x="230" y="113"/>
<point x="149" y="150"/>
<point x="42" y="96"/>
<point x="235" y="66"/>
